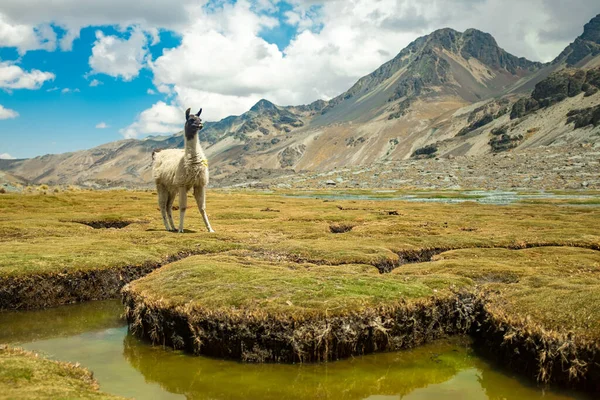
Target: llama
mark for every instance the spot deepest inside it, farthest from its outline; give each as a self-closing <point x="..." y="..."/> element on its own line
<point x="176" y="171"/>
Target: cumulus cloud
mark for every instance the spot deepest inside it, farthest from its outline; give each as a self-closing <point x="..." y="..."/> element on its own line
<point x="26" y="24"/>
<point x="95" y="82"/>
<point x="69" y="90"/>
<point x="6" y="156"/>
<point x="7" y="113"/>
<point x="119" y="57"/>
<point x="160" y="118"/>
<point x="14" y="77"/>
<point x="26" y="37"/>
<point x="338" y="41"/>
<point x="102" y="125"/>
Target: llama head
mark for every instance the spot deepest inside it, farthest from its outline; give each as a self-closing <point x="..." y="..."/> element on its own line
<point x="193" y="123"/>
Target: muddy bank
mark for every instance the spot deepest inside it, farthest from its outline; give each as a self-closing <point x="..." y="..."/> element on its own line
<point x="35" y="291"/>
<point x="254" y="337"/>
<point x="548" y="357"/>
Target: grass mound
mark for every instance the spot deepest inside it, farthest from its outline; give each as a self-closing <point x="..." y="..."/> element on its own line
<point x="25" y="375"/>
<point x="536" y="308"/>
<point x="539" y="308"/>
<point x="255" y="310"/>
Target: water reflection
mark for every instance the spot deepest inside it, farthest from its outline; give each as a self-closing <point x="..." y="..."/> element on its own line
<point x="126" y="366"/>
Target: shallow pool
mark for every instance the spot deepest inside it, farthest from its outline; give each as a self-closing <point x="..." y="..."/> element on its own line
<point x="494" y="197"/>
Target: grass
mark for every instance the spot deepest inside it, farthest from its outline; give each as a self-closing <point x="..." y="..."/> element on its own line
<point x="24" y="375"/>
<point x="230" y="283"/>
<point x="536" y="266"/>
<point x="558" y="288"/>
<point x="37" y="234"/>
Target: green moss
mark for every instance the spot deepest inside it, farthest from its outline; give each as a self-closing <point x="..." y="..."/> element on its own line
<point x="24" y="375"/>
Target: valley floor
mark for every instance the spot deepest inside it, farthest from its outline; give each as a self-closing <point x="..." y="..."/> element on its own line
<point x="542" y="168"/>
<point x="308" y="279"/>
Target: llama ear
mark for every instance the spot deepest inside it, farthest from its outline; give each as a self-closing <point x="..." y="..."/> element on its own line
<point x="199" y="112"/>
<point x="187" y="114"/>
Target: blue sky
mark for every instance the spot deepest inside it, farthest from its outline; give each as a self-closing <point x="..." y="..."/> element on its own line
<point x="51" y="121"/>
<point x="78" y="73"/>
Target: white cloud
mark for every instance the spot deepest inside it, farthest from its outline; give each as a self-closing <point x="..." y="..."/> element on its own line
<point x="6" y="156"/>
<point x="26" y="37"/>
<point x="95" y="82"/>
<point x="160" y="118"/>
<point x="102" y="125"/>
<point x="14" y="77"/>
<point x="150" y="92"/>
<point x="118" y="57"/>
<point x="69" y="90"/>
<point x="24" y="24"/>
<point x="227" y="66"/>
<point x="7" y="113"/>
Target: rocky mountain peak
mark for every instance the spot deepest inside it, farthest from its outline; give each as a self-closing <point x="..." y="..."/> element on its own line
<point x="263" y="105"/>
<point x="591" y="30"/>
<point x="588" y="44"/>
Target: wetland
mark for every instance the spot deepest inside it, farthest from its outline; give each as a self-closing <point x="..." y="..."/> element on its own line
<point x="280" y="283"/>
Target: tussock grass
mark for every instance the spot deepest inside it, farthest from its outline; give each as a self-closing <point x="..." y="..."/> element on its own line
<point x="253" y="310"/>
<point x="25" y="375"/>
<point x="533" y="267"/>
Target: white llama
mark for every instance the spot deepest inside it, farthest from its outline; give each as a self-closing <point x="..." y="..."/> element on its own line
<point x="176" y="171"/>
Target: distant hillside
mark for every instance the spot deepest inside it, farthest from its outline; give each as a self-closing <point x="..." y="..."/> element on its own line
<point x="446" y="94"/>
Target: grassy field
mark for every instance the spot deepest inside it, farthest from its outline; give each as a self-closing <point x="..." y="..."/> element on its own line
<point x="535" y="267"/>
<point x="47" y="234"/>
<point x="24" y="375"/>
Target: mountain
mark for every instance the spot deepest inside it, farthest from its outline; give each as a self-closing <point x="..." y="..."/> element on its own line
<point x="584" y="48"/>
<point x="446" y="94"/>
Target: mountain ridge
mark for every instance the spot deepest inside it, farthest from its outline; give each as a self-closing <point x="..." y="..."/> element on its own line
<point x="446" y="91"/>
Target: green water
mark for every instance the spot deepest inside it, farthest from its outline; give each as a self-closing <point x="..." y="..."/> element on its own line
<point x="94" y="335"/>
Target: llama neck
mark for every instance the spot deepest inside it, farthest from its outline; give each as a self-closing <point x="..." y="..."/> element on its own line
<point x="193" y="150"/>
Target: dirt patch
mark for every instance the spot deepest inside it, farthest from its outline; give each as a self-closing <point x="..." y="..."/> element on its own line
<point x="106" y="224"/>
<point x="340" y="228"/>
<point x="409" y="257"/>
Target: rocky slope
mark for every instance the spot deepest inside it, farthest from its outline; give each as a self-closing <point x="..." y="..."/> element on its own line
<point x="447" y="94"/>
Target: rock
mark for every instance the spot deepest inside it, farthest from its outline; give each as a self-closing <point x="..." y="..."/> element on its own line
<point x="584" y="117"/>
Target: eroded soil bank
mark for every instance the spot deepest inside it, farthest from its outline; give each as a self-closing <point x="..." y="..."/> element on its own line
<point x="93" y="335"/>
<point x="256" y="310"/>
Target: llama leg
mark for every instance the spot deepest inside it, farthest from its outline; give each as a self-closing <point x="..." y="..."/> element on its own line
<point x="172" y="196"/>
<point x="200" y="195"/>
<point x="163" y="197"/>
<point x="182" y="207"/>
